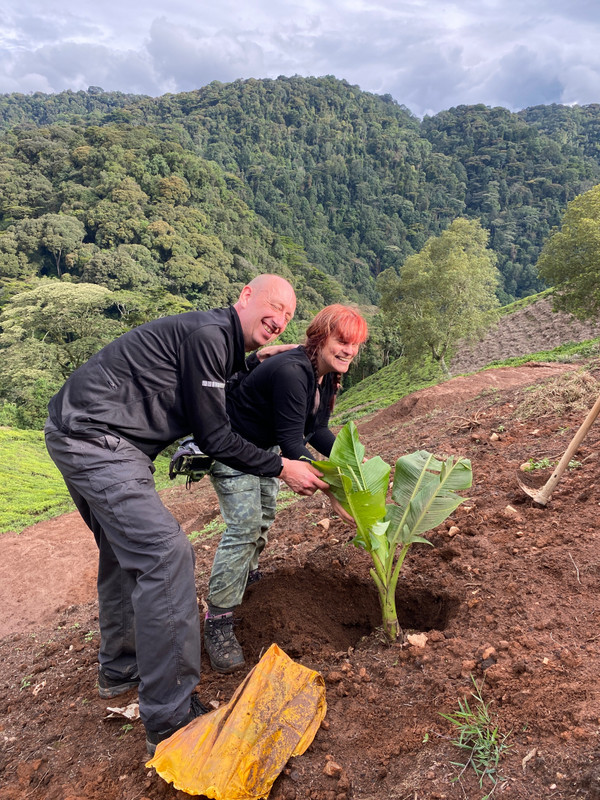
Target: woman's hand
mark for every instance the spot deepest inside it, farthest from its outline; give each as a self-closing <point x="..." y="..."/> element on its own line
<point x="273" y="350"/>
<point x="338" y="508"/>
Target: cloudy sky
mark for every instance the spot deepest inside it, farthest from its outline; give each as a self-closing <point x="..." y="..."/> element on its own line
<point x="428" y="54"/>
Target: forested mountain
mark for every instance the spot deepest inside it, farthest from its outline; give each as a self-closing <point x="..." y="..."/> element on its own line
<point x="117" y="208"/>
<point x="575" y="126"/>
<point x="120" y="207"/>
<point x="354" y="178"/>
<point x="518" y="182"/>
<point x="105" y="227"/>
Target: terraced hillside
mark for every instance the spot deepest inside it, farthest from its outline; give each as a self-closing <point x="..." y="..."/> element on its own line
<point x="531" y="329"/>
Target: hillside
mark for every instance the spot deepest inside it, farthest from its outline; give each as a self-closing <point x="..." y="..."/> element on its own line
<point x="117" y="209"/>
<point x="533" y="329"/>
<point x="354" y="178"/>
<point x="507" y="596"/>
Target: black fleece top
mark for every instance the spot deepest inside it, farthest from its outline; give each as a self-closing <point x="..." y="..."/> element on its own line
<point x="160" y="382"/>
<point x="274" y="404"/>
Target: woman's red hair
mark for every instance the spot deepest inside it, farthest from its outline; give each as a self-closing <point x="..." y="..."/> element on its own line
<point x="341" y="321"/>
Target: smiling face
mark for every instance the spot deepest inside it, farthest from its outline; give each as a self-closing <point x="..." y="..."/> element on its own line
<point x="265" y="307"/>
<point x="336" y="355"/>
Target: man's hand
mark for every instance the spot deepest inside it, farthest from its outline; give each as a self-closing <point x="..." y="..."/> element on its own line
<point x="273" y="350"/>
<point x="338" y="508"/>
<point x="301" y="477"/>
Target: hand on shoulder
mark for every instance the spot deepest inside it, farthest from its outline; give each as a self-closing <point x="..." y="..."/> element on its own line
<point x="273" y="350"/>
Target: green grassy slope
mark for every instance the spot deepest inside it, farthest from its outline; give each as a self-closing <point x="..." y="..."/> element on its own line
<point x="31" y="488"/>
<point x="396" y="380"/>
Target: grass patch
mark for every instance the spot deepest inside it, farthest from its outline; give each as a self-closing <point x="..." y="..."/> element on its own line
<point x="31" y="487"/>
<point x="383" y="388"/>
<point x="524" y="302"/>
<point x="479" y="738"/>
<point x="565" y="353"/>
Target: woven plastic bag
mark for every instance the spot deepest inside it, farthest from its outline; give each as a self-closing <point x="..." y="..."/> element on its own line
<point x="237" y="751"/>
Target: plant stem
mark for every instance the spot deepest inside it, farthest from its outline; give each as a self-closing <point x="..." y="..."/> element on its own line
<point x="387" y="601"/>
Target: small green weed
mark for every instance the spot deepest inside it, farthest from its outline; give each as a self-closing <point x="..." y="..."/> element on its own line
<point x="532" y="464"/>
<point x="214" y="528"/>
<point x="126" y="728"/>
<point x="479" y="736"/>
<point x="89" y="636"/>
<point x="25" y="682"/>
<point x="544" y="463"/>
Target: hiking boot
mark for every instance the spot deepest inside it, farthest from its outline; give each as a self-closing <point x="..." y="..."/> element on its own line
<point x="111" y="687"/>
<point x="154" y="737"/>
<point x="253" y="576"/>
<point x="221" y="645"/>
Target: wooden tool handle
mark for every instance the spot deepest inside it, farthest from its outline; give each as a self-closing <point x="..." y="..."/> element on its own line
<point x="546" y="490"/>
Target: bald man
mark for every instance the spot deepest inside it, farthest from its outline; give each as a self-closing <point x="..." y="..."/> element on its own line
<point x="155" y="384"/>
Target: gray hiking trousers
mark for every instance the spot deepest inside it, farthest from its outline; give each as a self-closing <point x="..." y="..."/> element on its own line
<point x="148" y="609"/>
<point x="248" y="507"/>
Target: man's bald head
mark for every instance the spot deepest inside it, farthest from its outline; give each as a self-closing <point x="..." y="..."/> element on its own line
<point x="265" y="306"/>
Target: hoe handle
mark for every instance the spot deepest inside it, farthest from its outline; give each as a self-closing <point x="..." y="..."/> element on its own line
<point x="544" y="493"/>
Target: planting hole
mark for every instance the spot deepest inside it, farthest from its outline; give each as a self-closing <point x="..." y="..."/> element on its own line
<point x="326" y="612"/>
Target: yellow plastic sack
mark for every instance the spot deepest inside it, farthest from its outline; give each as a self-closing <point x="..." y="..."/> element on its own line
<point x="237" y="751"/>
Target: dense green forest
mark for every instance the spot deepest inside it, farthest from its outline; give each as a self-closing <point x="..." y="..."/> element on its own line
<point x="354" y="178"/>
<point x="140" y="206"/>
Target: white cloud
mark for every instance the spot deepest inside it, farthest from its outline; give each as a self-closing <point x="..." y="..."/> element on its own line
<point x="428" y="54"/>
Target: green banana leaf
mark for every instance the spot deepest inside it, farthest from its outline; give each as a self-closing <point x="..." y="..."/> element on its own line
<point x="367" y="509"/>
<point x="369" y="479"/>
<point x="347" y="451"/>
<point x="424" y="491"/>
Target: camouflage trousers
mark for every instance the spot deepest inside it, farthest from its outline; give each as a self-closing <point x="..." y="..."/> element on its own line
<point x="248" y="507"/>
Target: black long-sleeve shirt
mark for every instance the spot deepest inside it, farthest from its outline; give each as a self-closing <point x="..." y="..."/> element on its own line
<point x="275" y="405"/>
<point x="160" y="382"/>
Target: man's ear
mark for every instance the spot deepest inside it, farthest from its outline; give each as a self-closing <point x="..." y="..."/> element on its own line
<point x="245" y="295"/>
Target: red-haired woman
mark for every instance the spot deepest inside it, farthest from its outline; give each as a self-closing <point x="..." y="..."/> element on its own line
<point x="283" y="403"/>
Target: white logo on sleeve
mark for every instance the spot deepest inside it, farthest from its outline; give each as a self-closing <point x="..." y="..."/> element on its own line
<point x="213" y="384"/>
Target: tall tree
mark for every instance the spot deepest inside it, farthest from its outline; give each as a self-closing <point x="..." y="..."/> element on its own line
<point x="569" y="260"/>
<point x="57" y="234"/>
<point x="444" y="293"/>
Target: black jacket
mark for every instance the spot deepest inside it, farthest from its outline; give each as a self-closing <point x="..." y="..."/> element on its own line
<point x="274" y="404"/>
<point x="160" y="382"/>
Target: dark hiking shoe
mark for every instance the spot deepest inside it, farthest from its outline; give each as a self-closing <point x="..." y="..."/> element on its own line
<point x="111" y="687"/>
<point x="154" y="737"/>
<point x="253" y="576"/>
<point x="221" y="645"/>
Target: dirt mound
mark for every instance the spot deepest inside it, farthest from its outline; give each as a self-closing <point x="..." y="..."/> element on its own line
<point x="533" y="329"/>
<point x="507" y="594"/>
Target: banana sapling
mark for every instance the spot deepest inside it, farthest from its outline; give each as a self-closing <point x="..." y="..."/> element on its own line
<point x="424" y="494"/>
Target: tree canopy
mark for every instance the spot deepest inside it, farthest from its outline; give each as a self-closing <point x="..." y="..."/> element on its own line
<point x="175" y="202"/>
<point x="444" y="293"/>
<point x="46" y="333"/>
<point x="352" y="178"/>
<point x="570" y="260"/>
